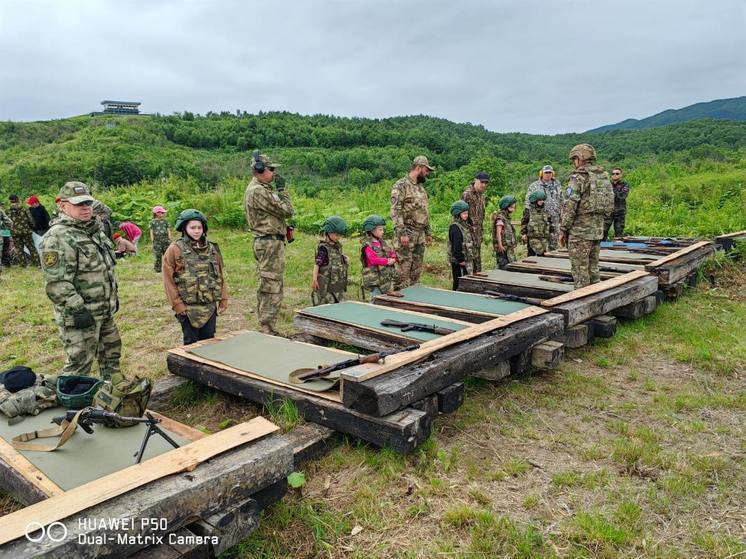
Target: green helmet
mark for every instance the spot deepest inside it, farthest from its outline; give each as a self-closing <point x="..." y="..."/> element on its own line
<point x="77" y="392"/>
<point x="334" y="224"/>
<point x="507" y="201"/>
<point x="373" y="221"/>
<point x="459" y="206"/>
<point x="536" y="196"/>
<point x="187" y="216"/>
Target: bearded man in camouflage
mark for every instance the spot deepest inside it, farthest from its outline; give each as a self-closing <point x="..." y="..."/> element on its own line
<point x="411" y="218"/>
<point x="587" y="201"/>
<point x="474" y="196"/>
<point x="78" y="263"/>
<point x="267" y="210"/>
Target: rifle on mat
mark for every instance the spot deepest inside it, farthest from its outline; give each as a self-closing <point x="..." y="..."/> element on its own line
<point x="515" y="298"/>
<point x="417" y="327"/>
<point x="300" y="376"/>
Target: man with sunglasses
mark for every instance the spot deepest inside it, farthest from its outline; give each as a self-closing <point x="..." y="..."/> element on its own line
<point x="474" y="196"/>
<point x="619" y="214"/>
<point x="78" y="263"/>
<point x="552" y="188"/>
<point x="267" y="209"/>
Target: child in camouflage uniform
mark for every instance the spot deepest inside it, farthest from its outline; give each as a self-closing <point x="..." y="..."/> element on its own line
<point x="160" y="235"/>
<point x="329" y="281"/>
<point x="503" y="232"/>
<point x="462" y="248"/>
<point x="378" y="259"/>
<point x="536" y="225"/>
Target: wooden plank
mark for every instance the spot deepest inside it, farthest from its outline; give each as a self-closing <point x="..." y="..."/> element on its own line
<point x="185" y="458"/>
<point x="733" y="235"/>
<point x="180" y="429"/>
<point x="594" y="288"/>
<point x="447" y="312"/>
<point x="366" y="338"/>
<point x="676" y="255"/>
<point x="545" y="289"/>
<point x="359" y="374"/>
<point x="20" y="464"/>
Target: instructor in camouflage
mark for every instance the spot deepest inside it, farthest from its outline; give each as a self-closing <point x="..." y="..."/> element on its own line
<point x="587" y="201"/>
<point x="411" y="218"/>
<point x="267" y="210"/>
<point x="474" y="197"/>
<point x="552" y="189"/>
<point x="78" y="263"/>
<point x="22" y="228"/>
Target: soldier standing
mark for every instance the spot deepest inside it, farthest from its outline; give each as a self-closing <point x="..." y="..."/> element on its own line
<point x="552" y="189"/>
<point x="587" y="201"/>
<point x="503" y="233"/>
<point x="267" y="209"/>
<point x="411" y="218"/>
<point x="78" y="263"/>
<point x="619" y="215"/>
<point x="5" y="225"/>
<point x="536" y="225"/>
<point x="160" y="235"/>
<point x="23" y="226"/>
<point x="474" y="197"/>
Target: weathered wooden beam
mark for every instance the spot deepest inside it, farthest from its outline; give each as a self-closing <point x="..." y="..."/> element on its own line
<point x="475" y="284"/>
<point x="451" y="397"/>
<point x="179" y="499"/>
<point x="639" y="308"/>
<point x="603" y="326"/>
<point x="575" y="312"/>
<point x="547" y="355"/>
<point x="678" y="265"/>
<point x="495" y="373"/>
<point x="349" y="334"/>
<point x="399" y="388"/>
<point x="403" y="431"/>
<point x="576" y="336"/>
<point x="445" y="312"/>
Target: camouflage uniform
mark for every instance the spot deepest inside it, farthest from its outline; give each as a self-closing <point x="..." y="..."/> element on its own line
<point x="5" y="223"/>
<point x="508" y="239"/>
<point x="102" y="214"/>
<point x="78" y="263"/>
<point x="587" y="201"/>
<point x="553" y="190"/>
<point x="159" y="228"/>
<point x="476" y="216"/>
<point x="619" y="214"/>
<point x="332" y="277"/>
<point x="536" y="224"/>
<point x="377" y="280"/>
<point x="22" y="228"/>
<point x="411" y="217"/>
<point x="266" y="212"/>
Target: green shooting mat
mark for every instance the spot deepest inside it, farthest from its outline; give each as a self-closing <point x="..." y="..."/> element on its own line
<point x="521" y="279"/>
<point x="370" y="316"/>
<point x="271" y="357"/>
<point x="85" y="457"/>
<point x="564" y="264"/>
<point x="615" y="255"/>
<point x="460" y="300"/>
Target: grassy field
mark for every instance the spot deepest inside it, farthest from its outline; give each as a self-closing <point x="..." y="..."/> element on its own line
<point x="634" y="447"/>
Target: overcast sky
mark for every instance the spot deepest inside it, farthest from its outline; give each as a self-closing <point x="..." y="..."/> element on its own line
<point x="512" y="65"/>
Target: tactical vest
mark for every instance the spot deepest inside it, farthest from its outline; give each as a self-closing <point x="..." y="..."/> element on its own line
<point x="538" y="223"/>
<point x="600" y="199"/>
<point x="333" y="277"/>
<point x="200" y="282"/>
<point x="509" y="240"/>
<point x="468" y="246"/>
<point x="382" y="277"/>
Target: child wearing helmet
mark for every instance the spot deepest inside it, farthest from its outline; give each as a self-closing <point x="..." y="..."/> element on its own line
<point x="329" y="281"/>
<point x="193" y="278"/>
<point x="462" y="248"/>
<point x="160" y="235"/>
<point x="378" y="259"/>
<point x="536" y="225"/>
<point x="503" y="233"/>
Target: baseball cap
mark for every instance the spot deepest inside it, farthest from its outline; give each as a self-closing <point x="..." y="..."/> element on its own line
<point x="547" y="168"/>
<point x="75" y="192"/>
<point x="422" y="160"/>
<point x="264" y="159"/>
<point x="482" y="176"/>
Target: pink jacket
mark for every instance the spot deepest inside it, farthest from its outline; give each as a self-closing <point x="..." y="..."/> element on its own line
<point x="131" y="230"/>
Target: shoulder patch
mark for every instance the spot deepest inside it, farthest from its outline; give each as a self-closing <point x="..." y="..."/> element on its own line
<point x="50" y="258"/>
<point x="568" y="190"/>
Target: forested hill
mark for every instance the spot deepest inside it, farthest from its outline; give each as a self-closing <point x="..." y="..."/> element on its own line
<point x="722" y="109"/>
<point x="120" y="150"/>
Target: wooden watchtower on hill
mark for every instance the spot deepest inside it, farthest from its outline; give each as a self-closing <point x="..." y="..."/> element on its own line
<point x="121" y="107"/>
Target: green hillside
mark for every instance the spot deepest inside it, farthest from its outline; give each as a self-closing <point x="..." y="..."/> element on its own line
<point x="721" y="109"/>
<point x="686" y="178"/>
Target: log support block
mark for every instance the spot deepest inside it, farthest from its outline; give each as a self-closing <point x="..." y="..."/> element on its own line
<point x="577" y="336"/>
<point x="639" y="308"/>
<point x="499" y="371"/>
<point x="547" y="355"/>
<point x="603" y="326"/>
<point x="451" y="398"/>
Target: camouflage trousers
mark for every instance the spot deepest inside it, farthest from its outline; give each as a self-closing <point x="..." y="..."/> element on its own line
<point x="478" y="256"/>
<point x="26" y="241"/>
<point x="100" y="341"/>
<point x="618" y="219"/>
<point x="410" y="259"/>
<point x="270" y="267"/>
<point x="537" y="247"/>
<point x="2" y="247"/>
<point x="505" y="258"/>
<point x="158" y="250"/>
<point x="554" y="235"/>
<point x="584" y="261"/>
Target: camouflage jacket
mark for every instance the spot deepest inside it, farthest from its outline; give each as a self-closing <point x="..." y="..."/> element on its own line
<point x="333" y="277"/>
<point x="266" y="209"/>
<point x="466" y="249"/>
<point x="159" y="228"/>
<point x="102" y="214"/>
<point x="409" y="207"/>
<point x="22" y="223"/>
<point x="5" y="221"/>
<point x="476" y="211"/>
<point x="621" y="191"/>
<point x="587" y="200"/>
<point x="536" y="222"/>
<point x="78" y="263"/>
<point x="508" y="231"/>
<point x="553" y="190"/>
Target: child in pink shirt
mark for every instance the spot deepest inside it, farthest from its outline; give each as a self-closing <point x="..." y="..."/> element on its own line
<point x="130" y="230"/>
<point x="378" y="259"/>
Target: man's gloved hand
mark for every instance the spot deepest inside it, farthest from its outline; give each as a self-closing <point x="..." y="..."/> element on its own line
<point x="279" y="183"/>
<point x="82" y="318"/>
